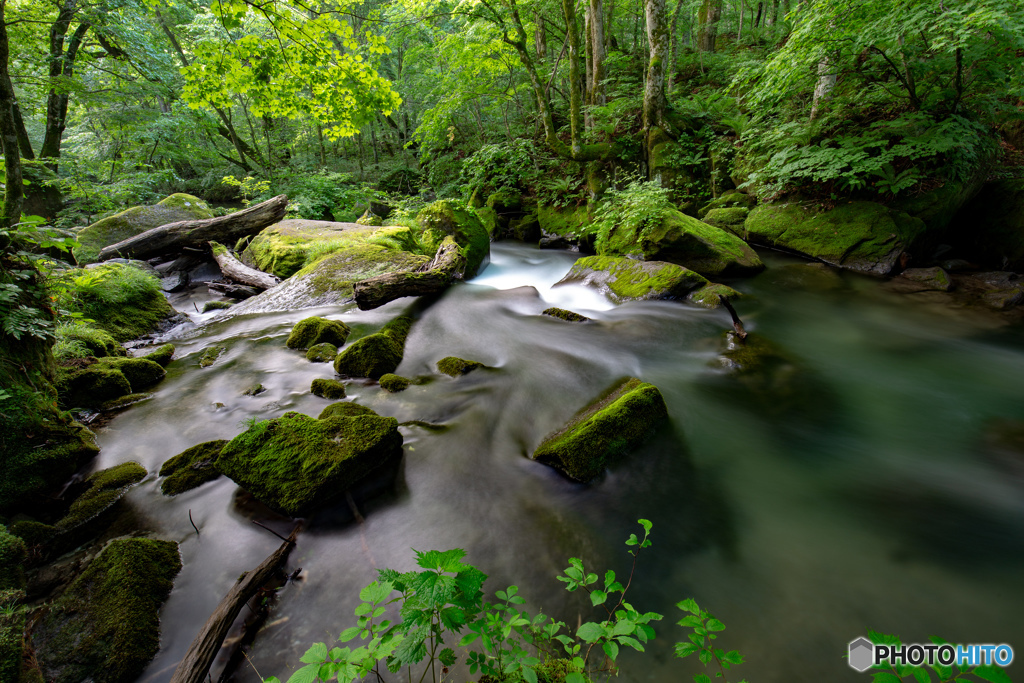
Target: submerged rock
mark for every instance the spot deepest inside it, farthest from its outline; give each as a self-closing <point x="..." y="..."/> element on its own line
<point x="216" y="306"/>
<point x="456" y="367"/>
<point x="394" y="383"/>
<point x="376" y="354"/>
<point x="568" y="316"/>
<point x="614" y="423"/>
<point x="309" y="332"/>
<point x="105" y="628"/>
<point x="322" y="353"/>
<point x="162" y="355"/>
<point x="925" y="279"/>
<point x="623" y="279"/>
<point x="344" y="409"/>
<point x="296" y="464"/>
<point x="254" y="390"/>
<point x="327" y="388"/>
<point x="711" y="295"/>
<point x="702" y="248"/>
<point x="106" y="487"/>
<point x="191" y="468"/>
<point x="210" y="356"/>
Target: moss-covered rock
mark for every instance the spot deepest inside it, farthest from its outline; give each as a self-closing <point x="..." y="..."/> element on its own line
<point x="456" y="367"/>
<point x="296" y="464"/>
<point x="990" y="228"/>
<point x="691" y="243"/>
<point x="568" y="316"/>
<point x="120" y="298"/>
<point x="727" y="200"/>
<point x="394" y="383"/>
<point x="12" y="634"/>
<point x="861" y="236"/>
<point x="934" y="279"/>
<point x="254" y="389"/>
<point x="162" y="355"/>
<point x="327" y="388"/>
<point x="137" y="220"/>
<point x="12" y="558"/>
<point x="105" y="628"/>
<point x="345" y="409"/>
<point x="33" y="532"/>
<point x="92" y="386"/>
<point x="609" y="426"/>
<point x="140" y="372"/>
<point x="730" y="220"/>
<point x="216" y="306"/>
<point x="489" y="219"/>
<point x="312" y="331"/>
<point x="210" y="356"/>
<point x="96" y="340"/>
<point x="623" y="279"/>
<point x="122" y="402"/>
<point x="446" y="218"/>
<point x="562" y="221"/>
<point x="710" y="295"/>
<point x="376" y="354"/>
<point x="322" y="353"/>
<point x="369" y="218"/>
<point x="106" y="487"/>
<point x="191" y="468"/>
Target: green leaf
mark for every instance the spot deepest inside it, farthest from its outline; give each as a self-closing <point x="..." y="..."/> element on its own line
<point x="315" y="654"/>
<point x="598" y="598"/>
<point x="701" y="678"/>
<point x="349" y="633"/>
<point x="529" y="674"/>
<point x="922" y="676"/>
<point x="690" y="621"/>
<point x="732" y="657"/>
<point x="590" y="632"/>
<point x="686" y="649"/>
<point x="689" y="605"/>
<point x="994" y="674"/>
<point x="611" y="649"/>
<point x="645" y="524"/>
<point x="715" y="625"/>
<point x="885" y="677"/>
<point x="447" y="656"/>
<point x="306" y="674"/>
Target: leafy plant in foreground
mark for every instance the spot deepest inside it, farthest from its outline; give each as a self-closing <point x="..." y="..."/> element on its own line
<point x="704" y="628"/>
<point x="889" y="673"/>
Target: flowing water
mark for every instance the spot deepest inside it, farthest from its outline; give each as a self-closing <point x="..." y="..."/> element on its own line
<point x="799" y="533"/>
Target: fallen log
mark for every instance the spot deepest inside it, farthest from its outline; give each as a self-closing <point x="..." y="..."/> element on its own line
<point x="233" y="291"/>
<point x="233" y="269"/>
<point x="196" y="663"/>
<point x="176" y="236"/>
<point x="447" y="266"/>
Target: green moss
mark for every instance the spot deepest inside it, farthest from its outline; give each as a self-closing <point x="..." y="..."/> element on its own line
<point x="322" y="353"/>
<point x="140" y="372"/>
<point x="136" y="220"/>
<point x="933" y="278"/>
<point x="91" y="386"/>
<point x="216" y="306"/>
<point x="296" y="464"/>
<point x="623" y="279"/>
<point x="369" y="218"/>
<point x="710" y="296"/>
<point x="394" y="383"/>
<point x="211" y="355"/>
<point x="106" y="627"/>
<point x="124" y="401"/>
<point x="12" y="556"/>
<point x="32" y="532"/>
<point x="344" y="409"/>
<point x="12" y="632"/>
<point x="567" y="222"/>
<point x="456" y="367"/>
<point x="376" y="354"/>
<point x="337" y="273"/>
<point x="731" y="220"/>
<point x="489" y="219"/>
<point x="124" y="300"/>
<point x="162" y="355"/>
<point x="446" y="218"/>
<point x="94" y="341"/>
<point x="327" y="388"/>
<point x="613" y="424"/>
<point x="703" y="248"/>
<point x="728" y="200"/>
<point x="106" y="487"/>
<point x="254" y="390"/>
<point x="312" y="331"/>
<point x="191" y="468"/>
<point x="568" y="316"/>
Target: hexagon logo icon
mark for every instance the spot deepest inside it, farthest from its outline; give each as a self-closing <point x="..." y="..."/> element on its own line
<point x="862" y="654"/>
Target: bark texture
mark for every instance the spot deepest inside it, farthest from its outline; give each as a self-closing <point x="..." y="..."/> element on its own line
<point x="448" y="266"/>
<point x="233" y="269"/>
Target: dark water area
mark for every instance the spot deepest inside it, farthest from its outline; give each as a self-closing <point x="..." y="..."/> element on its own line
<point x="872" y="504"/>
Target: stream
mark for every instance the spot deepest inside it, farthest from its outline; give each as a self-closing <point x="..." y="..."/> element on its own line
<point x="799" y="534"/>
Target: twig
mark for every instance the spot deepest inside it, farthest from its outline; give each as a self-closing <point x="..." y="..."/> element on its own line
<point x="191" y="522"/>
<point x="257" y="523"/>
<point x="737" y="324"/>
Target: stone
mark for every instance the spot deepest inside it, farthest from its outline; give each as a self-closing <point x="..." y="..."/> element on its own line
<point x="162" y="355"/>
<point x="394" y="383"/>
<point x="328" y="388"/>
<point x="693" y="244"/>
<point x="710" y="295"/>
<point x="568" y="316"/>
<point x="312" y="331"/>
<point x="322" y="353"/>
<point x="376" y="354"/>
<point x="456" y="367"/>
<point x="623" y="279"/>
<point x="934" y="279"/>
<point x="344" y="409"/>
<point x="210" y="356"/>
<point x="106" y="487"/>
<point x="191" y="468"/>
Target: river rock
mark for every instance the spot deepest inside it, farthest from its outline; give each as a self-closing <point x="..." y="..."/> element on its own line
<point x="711" y="295"/>
<point x="612" y="424"/>
<point x="140" y="372"/>
<point x="345" y="409"/>
<point x="88" y="515"/>
<point x="91" y="386"/>
<point x="446" y="218"/>
<point x="393" y="384"/>
<point x="191" y="468"/>
<point x="926" y="279"/>
<point x="376" y="354"/>
<point x="116" y="297"/>
<point x="563" y="314"/>
<point x="322" y="353"/>
<point x="691" y="243"/>
<point x="327" y="388"/>
<point x="161" y="355"/>
<point x="730" y="199"/>
<point x="730" y="220"/>
<point x="312" y="331"/>
<point x="456" y="367"/>
<point x="296" y="464"/>
<point x="623" y="279"/>
<point x="105" y="628"/>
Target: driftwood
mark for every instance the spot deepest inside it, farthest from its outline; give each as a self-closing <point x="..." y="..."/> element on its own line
<point x="447" y="266"/>
<point x="196" y="663"/>
<point x="233" y="291"/>
<point x="176" y="236"/>
<point x="233" y="269"/>
<point x="737" y="324"/>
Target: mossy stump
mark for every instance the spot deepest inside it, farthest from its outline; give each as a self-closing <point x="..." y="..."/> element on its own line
<point x="312" y="331"/>
<point x="327" y="388"/>
<point x="457" y="367"/>
<point x="611" y="425"/>
<point x="191" y="468"/>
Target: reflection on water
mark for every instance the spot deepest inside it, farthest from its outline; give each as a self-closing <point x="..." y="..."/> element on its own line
<point x="799" y="539"/>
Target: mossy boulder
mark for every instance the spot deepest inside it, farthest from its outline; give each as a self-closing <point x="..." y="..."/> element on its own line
<point x="562" y="221"/>
<point x="710" y="295"/>
<point x="861" y="236"/>
<point x="456" y="367"/>
<point x="624" y="279"/>
<point x="140" y="372"/>
<point x="727" y="200"/>
<point x="446" y="218"/>
<point x="210" y="355"/>
<point x="322" y="353"/>
<point x="296" y="464"/>
<point x="162" y="355"/>
<point x="376" y="354"/>
<point x="216" y="306"/>
<point x="105" y="628"/>
<point x="730" y="220"/>
<point x="927" y="279"/>
<point x="394" y="383"/>
<point x="96" y="340"/>
<point x="105" y="488"/>
<point x="345" y="409"/>
<point x="92" y="386"/>
<point x="12" y="558"/>
<point x="489" y="219"/>
<point x="613" y="424"/>
<point x="327" y="388"/>
<point x="691" y="243"/>
<point x="124" y="401"/>
<point x="12" y="635"/>
<point x="137" y="220"/>
<point x="120" y="298"/>
<point x="312" y="331"/>
<point x="191" y="468"/>
<point x="32" y="531"/>
<point x="990" y="228"/>
<point x="568" y="316"/>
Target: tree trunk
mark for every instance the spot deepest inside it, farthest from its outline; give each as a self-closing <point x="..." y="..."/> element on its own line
<point x="233" y="269"/>
<point x="757" y="19"/>
<point x="62" y="66"/>
<point x="595" y="87"/>
<point x="743" y="10"/>
<point x="540" y="39"/>
<point x="447" y="266"/>
<point x="654" y="92"/>
<point x="174" y="236"/>
<point x="707" y="17"/>
<point x="826" y="82"/>
<point x="673" y="55"/>
<point x="14" y="191"/>
<point x="575" y="96"/>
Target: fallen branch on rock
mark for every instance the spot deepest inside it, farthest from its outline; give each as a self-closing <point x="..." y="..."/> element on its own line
<point x="233" y="269"/>
<point x="447" y="266"/>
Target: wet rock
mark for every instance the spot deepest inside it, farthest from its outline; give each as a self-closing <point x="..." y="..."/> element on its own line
<point x="124" y="401"/>
<point x="622" y="279"/>
<point x="105" y="488"/>
<point x="729" y="199"/>
<point x="254" y="390"/>
<point x="232" y="290"/>
<point x="711" y="295"/>
<point x="296" y="464"/>
<point x="376" y="354"/>
<point x="693" y="244"/>
<point x="926" y="279"/>
<point x="524" y="229"/>
<point x="568" y="316"/>
<point x="730" y="220"/>
<point x="956" y="265"/>
<point x="211" y="355"/>
<point x="611" y="425"/>
<point x="162" y="355"/>
<point x="447" y="219"/>
<point x="140" y="372"/>
<point x="322" y="353"/>
<point x="312" y="331"/>
<point x="345" y="409"/>
<point x="394" y="383"/>
<point x="456" y="367"/>
<point x="216" y="306"/>
<point x="327" y="388"/>
<point x="560" y="225"/>
<point x="1004" y="299"/>
<point x="175" y="282"/>
<point x="105" y="628"/>
<point x="191" y="468"/>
